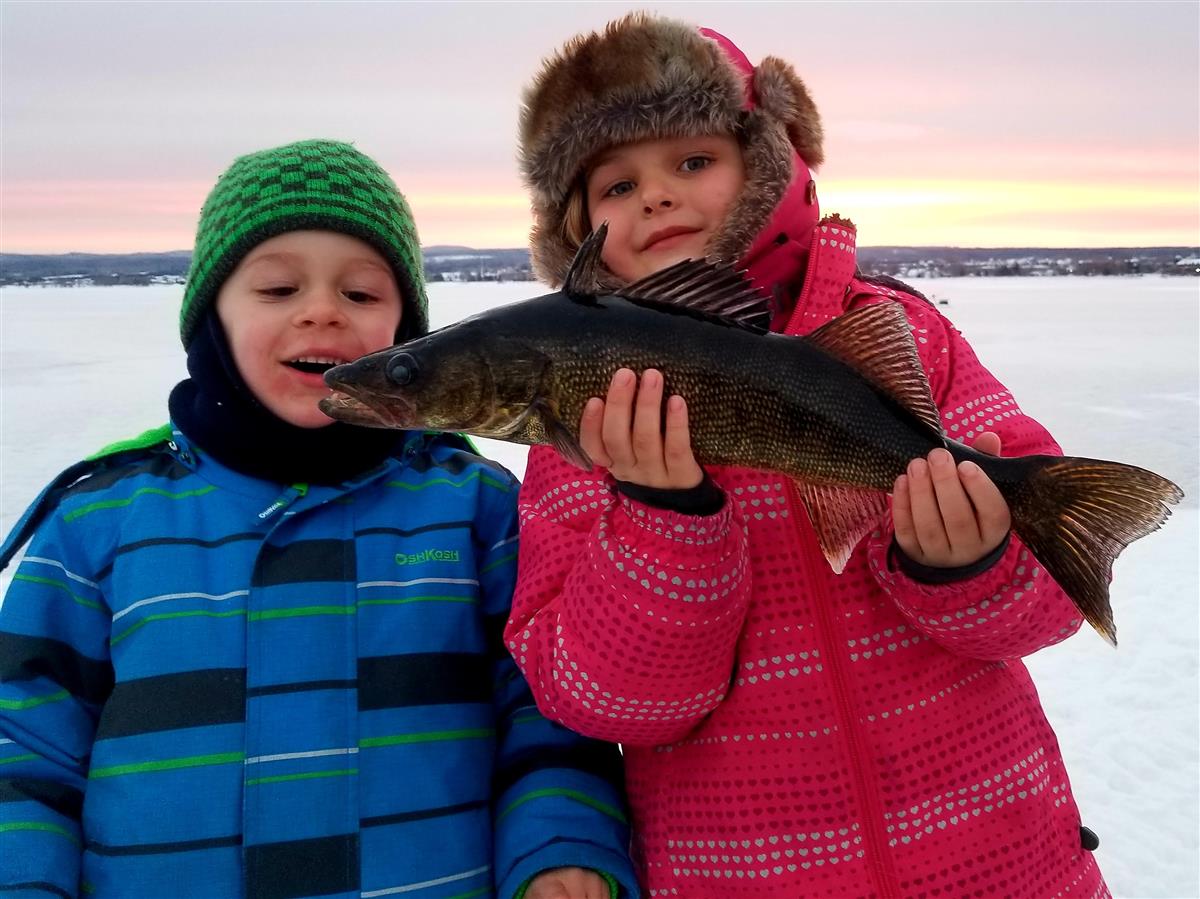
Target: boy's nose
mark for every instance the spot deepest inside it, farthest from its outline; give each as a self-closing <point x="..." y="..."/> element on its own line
<point x="321" y="307"/>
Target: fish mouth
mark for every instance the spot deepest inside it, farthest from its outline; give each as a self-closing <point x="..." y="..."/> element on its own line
<point x="342" y="406"/>
<point x="355" y="404"/>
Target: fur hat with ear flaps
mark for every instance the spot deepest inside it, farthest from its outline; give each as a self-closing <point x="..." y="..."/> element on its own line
<point x="646" y="77"/>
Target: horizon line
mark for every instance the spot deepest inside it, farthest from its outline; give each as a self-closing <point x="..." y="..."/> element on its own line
<point x="425" y="249"/>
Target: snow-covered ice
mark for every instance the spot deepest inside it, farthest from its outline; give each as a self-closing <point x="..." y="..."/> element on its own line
<point x="1109" y="365"/>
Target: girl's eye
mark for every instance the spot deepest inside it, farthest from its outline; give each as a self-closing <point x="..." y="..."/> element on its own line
<point x="695" y="163"/>
<point x="619" y="189"/>
<point x="279" y="292"/>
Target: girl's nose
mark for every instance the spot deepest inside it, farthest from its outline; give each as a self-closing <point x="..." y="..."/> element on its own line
<point x="655" y="196"/>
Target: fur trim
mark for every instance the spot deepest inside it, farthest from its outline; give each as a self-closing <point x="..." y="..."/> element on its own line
<point x="783" y="96"/>
<point x="640" y="78"/>
<point x="767" y="158"/>
<point x="648" y="77"/>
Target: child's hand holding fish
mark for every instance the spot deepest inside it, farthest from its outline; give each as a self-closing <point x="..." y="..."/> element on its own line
<point x="625" y="433"/>
<point x="948" y="515"/>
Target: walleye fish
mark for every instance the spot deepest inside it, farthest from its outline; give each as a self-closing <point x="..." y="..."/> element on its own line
<point x="841" y="410"/>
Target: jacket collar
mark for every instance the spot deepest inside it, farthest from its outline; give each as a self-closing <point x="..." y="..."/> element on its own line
<point x="297" y="495"/>
<point x="806" y="272"/>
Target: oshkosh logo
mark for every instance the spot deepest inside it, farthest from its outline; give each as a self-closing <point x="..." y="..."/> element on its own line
<point x="427" y="555"/>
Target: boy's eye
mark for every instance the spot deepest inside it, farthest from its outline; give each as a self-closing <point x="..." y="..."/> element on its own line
<point x="359" y="296"/>
<point x="280" y="291"/>
<point x="619" y="189"/>
<point x="695" y="163"/>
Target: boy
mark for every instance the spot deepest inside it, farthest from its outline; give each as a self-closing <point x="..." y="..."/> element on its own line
<point x="258" y="653"/>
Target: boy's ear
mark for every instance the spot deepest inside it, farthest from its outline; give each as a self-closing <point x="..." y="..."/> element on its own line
<point x="782" y="94"/>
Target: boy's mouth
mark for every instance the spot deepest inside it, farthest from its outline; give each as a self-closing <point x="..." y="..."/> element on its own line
<point x="315" y="365"/>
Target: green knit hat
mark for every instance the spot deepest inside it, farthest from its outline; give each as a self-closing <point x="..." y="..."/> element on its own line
<point x="310" y="185"/>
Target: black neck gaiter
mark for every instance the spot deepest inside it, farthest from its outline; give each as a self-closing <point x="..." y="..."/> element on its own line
<point x="219" y="413"/>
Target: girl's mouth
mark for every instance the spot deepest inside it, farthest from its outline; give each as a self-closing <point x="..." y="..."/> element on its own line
<point x="668" y="237"/>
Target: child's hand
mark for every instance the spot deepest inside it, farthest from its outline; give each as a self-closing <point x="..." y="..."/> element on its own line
<point x="947" y="516"/>
<point x="568" y="883"/>
<point x="626" y="436"/>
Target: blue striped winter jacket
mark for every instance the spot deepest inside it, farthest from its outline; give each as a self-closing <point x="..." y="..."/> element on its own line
<point x="209" y="687"/>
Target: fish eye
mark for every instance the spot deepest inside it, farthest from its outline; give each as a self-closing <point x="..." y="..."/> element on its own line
<point x="402" y="370"/>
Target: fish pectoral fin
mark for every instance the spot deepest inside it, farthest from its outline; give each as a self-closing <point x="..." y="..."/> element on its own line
<point x="877" y="342"/>
<point x="568" y="447"/>
<point x="555" y="433"/>
<point x="841" y="517"/>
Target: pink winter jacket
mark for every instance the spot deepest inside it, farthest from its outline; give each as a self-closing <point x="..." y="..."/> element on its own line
<point x="790" y="732"/>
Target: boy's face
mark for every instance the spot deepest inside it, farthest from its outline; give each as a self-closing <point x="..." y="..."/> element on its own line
<point x="299" y="304"/>
<point x="662" y="199"/>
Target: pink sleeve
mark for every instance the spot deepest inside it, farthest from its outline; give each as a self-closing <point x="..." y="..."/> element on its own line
<point x="1014" y="608"/>
<point x="625" y="617"/>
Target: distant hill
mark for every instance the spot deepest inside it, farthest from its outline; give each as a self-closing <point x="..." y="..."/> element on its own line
<point x="441" y="263"/>
<point x="19" y="268"/>
<point x="966" y="254"/>
<point x="461" y="263"/>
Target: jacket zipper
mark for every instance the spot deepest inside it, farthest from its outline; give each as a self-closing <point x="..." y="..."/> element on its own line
<point x="874" y="836"/>
<point x="293" y="493"/>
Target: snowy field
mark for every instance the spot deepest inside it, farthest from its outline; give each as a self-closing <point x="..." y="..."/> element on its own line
<point x="1109" y="365"/>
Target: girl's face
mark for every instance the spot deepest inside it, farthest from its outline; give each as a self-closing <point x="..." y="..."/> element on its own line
<point x="663" y="199"/>
<point x="298" y="304"/>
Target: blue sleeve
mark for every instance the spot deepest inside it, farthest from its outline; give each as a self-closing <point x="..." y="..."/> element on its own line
<point x="55" y="674"/>
<point x="558" y="798"/>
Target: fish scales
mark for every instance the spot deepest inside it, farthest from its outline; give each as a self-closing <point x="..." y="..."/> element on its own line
<point x="754" y="400"/>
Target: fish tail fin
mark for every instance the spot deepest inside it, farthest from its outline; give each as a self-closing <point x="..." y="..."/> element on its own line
<point x="1077" y="515"/>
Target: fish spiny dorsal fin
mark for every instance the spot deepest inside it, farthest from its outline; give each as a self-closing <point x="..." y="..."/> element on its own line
<point x="877" y="342"/>
<point x="705" y="289"/>
<point x="582" y="276"/>
<point x="841" y="517"/>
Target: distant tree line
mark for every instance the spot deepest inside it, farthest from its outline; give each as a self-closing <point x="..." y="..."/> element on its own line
<point x="466" y="264"/>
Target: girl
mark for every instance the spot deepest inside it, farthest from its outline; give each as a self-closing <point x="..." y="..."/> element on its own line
<point x="788" y="731"/>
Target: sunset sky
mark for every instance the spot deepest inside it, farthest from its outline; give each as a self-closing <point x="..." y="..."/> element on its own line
<point x="1049" y="124"/>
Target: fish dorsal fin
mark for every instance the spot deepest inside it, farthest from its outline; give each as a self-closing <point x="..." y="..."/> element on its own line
<point x="696" y="287"/>
<point x="877" y="342"/>
<point x="841" y="517"/>
<point x="707" y="290"/>
<point x="583" y="275"/>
